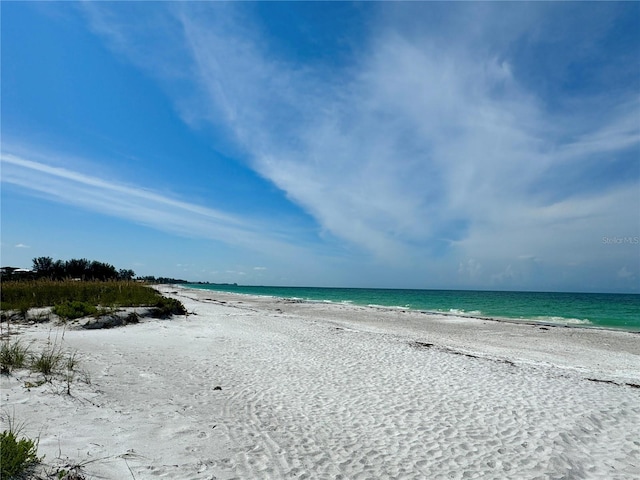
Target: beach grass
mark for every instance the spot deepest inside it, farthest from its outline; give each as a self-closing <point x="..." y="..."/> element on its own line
<point x="48" y="361"/>
<point x="21" y="295"/>
<point x="13" y="355"/>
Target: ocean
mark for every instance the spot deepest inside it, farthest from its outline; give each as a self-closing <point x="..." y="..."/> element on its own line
<point x="601" y="310"/>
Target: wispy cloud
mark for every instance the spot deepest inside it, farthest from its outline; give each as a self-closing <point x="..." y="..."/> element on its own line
<point x="431" y="144"/>
<point x="22" y="245"/>
<point x="422" y="147"/>
<point x="137" y="203"/>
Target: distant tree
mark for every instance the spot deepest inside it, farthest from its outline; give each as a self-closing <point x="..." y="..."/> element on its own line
<point x="81" y="268"/>
<point x="126" y="274"/>
<point x="43" y="266"/>
<point x="152" y="279"/>
<point x="59" y="270"/>
<point x="102" y="271"/>
<point x="78" y="268"/>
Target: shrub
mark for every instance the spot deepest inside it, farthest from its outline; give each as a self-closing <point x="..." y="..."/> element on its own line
<point x="12" y="356"/>
<point x="17" y="456"/>
<point x="165" y="307"/>
<point x="74" y="309"/>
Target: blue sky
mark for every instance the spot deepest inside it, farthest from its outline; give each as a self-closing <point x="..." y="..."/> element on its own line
<point x="408" y="145"/>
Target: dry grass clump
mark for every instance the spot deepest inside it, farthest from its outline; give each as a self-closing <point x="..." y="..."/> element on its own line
<point x="48" y="361"/>
<point x="13" y="355"/>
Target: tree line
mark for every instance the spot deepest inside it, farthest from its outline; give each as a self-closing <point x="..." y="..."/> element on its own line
<point x="152" y="279"/>
<point x="77" y="268"/>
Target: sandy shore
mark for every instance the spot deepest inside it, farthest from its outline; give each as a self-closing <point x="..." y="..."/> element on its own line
<point x="257" y="388"/>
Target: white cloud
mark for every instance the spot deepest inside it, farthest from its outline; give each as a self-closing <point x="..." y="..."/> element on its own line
<point x="420" y="144"/>
<point x="139" y="204"/>
<point x="426" y="146"/>
<point x="22" y="245"/>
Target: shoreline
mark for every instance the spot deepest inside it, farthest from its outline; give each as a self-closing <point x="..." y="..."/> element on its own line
<point x="255" y="387"/>
<point x="475" y="334"/>
<point x="565" y="322"/>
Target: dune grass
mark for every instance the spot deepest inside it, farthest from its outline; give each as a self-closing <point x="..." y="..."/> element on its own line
<point x="13" y="355"/>
<point x="18" y="295"/>
<point x="48" y="361"/>
<point x="73" y="299"/>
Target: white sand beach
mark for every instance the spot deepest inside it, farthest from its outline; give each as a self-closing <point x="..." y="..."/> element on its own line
<point x="263" y="388"/>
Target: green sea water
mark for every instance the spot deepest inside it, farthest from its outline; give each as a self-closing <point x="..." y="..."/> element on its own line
<point x="603" y="310"/>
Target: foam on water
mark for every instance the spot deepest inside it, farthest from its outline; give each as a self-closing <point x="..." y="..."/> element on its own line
<point x="563" y="321"/>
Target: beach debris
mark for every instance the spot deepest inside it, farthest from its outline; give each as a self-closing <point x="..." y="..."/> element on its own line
<point x="628" y="384"/>
<point x="601" y="381"/>
<point x="417" y="344"/>
<point x="425" y="345"/>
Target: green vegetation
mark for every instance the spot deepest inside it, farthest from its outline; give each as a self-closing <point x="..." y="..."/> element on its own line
<point x="48" y="361"/>
<point x="12" y="355"/>
<point x="78" y="287"/>
<point x="165" y="307"/>
<point x="22" y="295"/>
<point x="74" y="309"/>
<point x="16" y="456"/>
<point x="76" y="268"/>
<point x="81" y="268"/>
<point x="19" y="457"/>
<point x="165" y="280"/>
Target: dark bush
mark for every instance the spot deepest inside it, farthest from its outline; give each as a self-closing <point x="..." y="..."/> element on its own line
<point x="165" y="307"/>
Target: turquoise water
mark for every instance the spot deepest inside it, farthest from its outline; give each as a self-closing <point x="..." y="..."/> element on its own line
<point x="619" y="311"/>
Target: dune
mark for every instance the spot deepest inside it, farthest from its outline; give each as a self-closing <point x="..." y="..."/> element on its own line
<point x="264" y="388"/>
